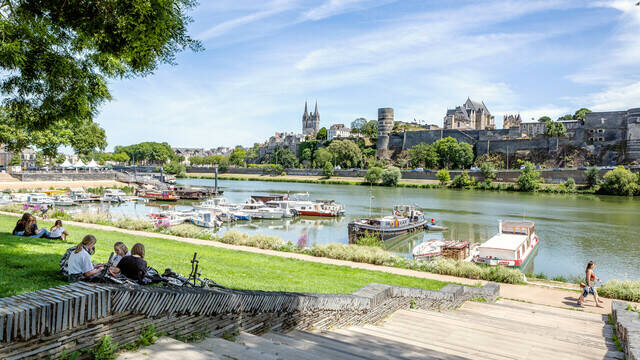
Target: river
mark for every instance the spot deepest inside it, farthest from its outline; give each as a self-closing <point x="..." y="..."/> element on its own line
<point x="573" y="228"/>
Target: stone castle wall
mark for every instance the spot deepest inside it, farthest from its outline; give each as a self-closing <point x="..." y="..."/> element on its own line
<point x="75" y="317"/>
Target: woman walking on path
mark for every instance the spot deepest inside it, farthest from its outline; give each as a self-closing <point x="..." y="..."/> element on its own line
<point x="589" y="288"/>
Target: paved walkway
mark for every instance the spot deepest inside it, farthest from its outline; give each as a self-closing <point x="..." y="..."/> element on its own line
<point x="16" y="184"/>
<point x="536" y="294"/>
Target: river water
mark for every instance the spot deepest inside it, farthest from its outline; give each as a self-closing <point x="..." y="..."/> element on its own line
<point x="573" y="228"/>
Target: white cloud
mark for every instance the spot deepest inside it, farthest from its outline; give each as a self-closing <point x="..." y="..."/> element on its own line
<point x="615" y="98"/>
<point x="336" y="7"/>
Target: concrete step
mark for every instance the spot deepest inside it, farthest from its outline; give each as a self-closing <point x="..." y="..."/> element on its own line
<point x="277" y="349"/>
<point x="229" y="350"/>
<point x="292" y="339"/>
<point x="169" y="349"/>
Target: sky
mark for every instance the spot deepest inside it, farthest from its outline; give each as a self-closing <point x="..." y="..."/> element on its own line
<point x="263" y="59"/>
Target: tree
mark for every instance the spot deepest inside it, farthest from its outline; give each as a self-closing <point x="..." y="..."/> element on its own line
<point x="391" y="176"/>
<point x="311" y="145"/>
<point x="488" y="172"/>
<point x="15" y="160"/>
<point x="556" y="129"/>
<point x="357" y="124"/>
<point x="370" y="129"/>
<point x="544" y="119"/>
<point x="374" y="174"/>
<point x="592" y="177"/>
<point x="322" y="134"/>
<point x="321" y="156"/>
<point x="462" y="181"/>
<point x="237" y="156"/>
<point x="619" y="181"/>
<point x="581" y="114"/>
<point x="565" y="117"/>
<point x="56" y="56"/>
<point x="285" y="157"/>
<point x="530" y="178"/>
<point x="327" y="170"/>
<point x="453" y="154"/>
<point x="443" y="176"/>
<point x="464" y="155"/>
<point x="346" y="153"/>
<point x="175" y="168"/>
<point x="252" y="153"/>
<point x="423" y="155"/>
<point x="60" y="158"/>
<point x="151" y="152"/>
<point x="305" y="155"/>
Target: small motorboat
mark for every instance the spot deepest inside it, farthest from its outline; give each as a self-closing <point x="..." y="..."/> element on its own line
<point x="63" y="200"/>
<point x="428" y="250"/>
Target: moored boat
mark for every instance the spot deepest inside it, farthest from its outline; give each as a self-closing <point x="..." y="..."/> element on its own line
<point x="405" y="219"/>
<point x="512" y="246"/>
<point x="63" y="200"/>
<point x="159" y="195"/>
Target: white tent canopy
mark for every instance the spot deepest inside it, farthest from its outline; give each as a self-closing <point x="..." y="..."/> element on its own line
<point x="92" y="164"/>
<point x="79" y="164"/>
<point x="66" y="164"/>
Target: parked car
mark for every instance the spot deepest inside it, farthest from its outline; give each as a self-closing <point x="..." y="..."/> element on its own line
<point x="582" y="168"/>
<point x="417" y="170"/>
<point x="474" y="169"/>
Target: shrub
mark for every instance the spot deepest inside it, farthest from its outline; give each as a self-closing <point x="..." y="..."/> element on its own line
<point x="106" y="350"/>
<point x="530" y="178"/>
<point x="443" y="176"/>
<point x="133" y="224"/>
<point x="364" y="254"/>
<point x="257" y="240"/>
<point x="488" y="172"/>
<point x="374" y="174"/>
<point x="391" y="176"/>
<point x="623" y="290"/>
<point x="369" y="239"/>
<point x="619" y="181"/>
<point x="569" y="185"/>
<point x="327" y="170"/>
<point x="591" y="176"/>
<point x="462" y="181"/>
<point x="468" y="270"/>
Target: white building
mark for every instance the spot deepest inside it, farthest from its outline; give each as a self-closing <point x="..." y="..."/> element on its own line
<point x="338" y="131"/>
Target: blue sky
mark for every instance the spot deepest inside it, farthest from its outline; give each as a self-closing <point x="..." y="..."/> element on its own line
<point x="263" y="59"/>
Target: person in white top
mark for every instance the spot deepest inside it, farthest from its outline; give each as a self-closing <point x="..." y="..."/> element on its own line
<point x="58" y="232"/>
<point x="80" y="260"/>
<point x="121" y="251"/>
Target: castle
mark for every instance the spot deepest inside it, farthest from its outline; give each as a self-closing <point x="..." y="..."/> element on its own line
<point x="511" y="121"/>
<point x="310" y="122"/>
<point x="470" y="116"/>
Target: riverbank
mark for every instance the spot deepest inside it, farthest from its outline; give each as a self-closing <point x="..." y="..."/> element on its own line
<point x="39" y="185"/>
<point x="294" y="276"/>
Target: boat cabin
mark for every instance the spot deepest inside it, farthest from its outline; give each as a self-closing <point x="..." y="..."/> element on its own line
<point x="511" y="242"/>
<point x="388" y="221"/>
<point x="457" y="250"/>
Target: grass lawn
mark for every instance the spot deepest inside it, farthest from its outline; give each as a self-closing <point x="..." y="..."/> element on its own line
<point x="28" y="264"/>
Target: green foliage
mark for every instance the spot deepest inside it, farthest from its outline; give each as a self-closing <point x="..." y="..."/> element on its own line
<point x="462" y="181"/>
<point x="374" y="174"/>
<point x="623" y="290"/>
<point x="592" y="177"/>
<point x="147" y="337"/>
<point x="322" y="134"/>
<point x="453" y="154"/>
<point x="569" y="185"/>
<point x="237" y="156"/>
<point x="357" y="124"/>
<point x="391" y="176"/>
<point x="554" y="128"/>
<point x="322" y="156"/>
<point x="443" y="176"/>
<point x="56" y="57"/>
<point x="327" y="170"/>
<point x="565" y="117"/>
<point x="306" y="149"/>
<point x="530" y="178"/>
<point x="231" y="335"/>
<point x="370" y="129"/>
<point x="175" y="168"/>
<point x="581" y="114"/>
<point x="106" y="350"/>
<point x="619" y="181"/>
<point x="195" y="336"/>
<point x="15" y="160"/>
<point x="70" y="356"/>
<point x="544" y="119"/>
<point x="148" y="152"/>
<point x="346" y="153"/>
<point x="370" y="239"/>
<point x="488" y="172"/>
<point x="423" y="155"/>
<point x="284" y="157"/>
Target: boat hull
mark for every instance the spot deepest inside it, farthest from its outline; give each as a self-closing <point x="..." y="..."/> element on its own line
<point x="357" y="230"/>
<point x="317" y="213"/>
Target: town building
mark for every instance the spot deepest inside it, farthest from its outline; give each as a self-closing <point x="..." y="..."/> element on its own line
<point x="27" y="157"/>
<point x="310" y="122"/>
<point x="470" y="116"/>
<point x="281" y="140"/>
<point x="511" y="121"/>
<point x="338" y="131"/>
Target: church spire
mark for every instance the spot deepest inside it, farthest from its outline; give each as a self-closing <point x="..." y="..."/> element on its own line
<point x="306" y="113"/>
<point x="315" y="112"/>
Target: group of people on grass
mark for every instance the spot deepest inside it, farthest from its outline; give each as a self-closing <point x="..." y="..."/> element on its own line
<point x="28" y="226"/>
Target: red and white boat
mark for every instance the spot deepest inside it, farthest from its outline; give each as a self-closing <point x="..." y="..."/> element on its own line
<point x="319" y="209"/>
<point x="513" y="245"/>
<point x="159" y="195"/>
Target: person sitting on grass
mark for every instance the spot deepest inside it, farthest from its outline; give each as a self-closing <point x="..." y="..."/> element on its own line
<point x="57" y="232"/>
<point x="589" y="286"/>
<point x="20" y="225"/>
<point x="79" y="265"/>
<point x="134" y="266"/>
<point x="121" y="251"/>
<point x="31" y="229"/>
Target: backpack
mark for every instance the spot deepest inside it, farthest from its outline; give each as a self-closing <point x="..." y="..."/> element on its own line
<point x="65" y="260"/>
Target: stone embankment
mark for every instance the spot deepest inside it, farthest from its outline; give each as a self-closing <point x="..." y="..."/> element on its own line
<point x="627" y="324"/>
<point x="75" y="317"/>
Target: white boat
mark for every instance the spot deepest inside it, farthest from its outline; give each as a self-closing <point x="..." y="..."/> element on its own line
<point x="5" y="199"/>
<point x="512" y="246"/>
<point x="39" y="199"/>
<point x="428" y="249"/>
<point x="205" y="219"/>
<point x="114" y="195"/>
<point x="63" y="200"/>
<point x="284" y="205"/>
<point x="213" y="203"/>
<point x="20" y="197"/>
<point x="80" y="196"/>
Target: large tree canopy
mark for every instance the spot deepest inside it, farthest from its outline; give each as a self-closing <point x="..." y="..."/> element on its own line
<point x="56" y="57"/>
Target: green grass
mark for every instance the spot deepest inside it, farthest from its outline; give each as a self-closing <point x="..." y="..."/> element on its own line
<point x="28" y="264"/>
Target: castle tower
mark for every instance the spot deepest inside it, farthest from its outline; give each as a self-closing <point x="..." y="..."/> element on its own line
<point x="310" y="122"/>
<point x="385" y="125"/>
